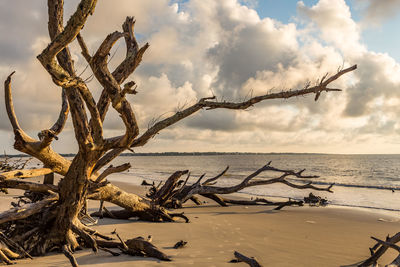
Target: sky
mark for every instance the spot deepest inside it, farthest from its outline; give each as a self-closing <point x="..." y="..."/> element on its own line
<point x="233" y="49"/>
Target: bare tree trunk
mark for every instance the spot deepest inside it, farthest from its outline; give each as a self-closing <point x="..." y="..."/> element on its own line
<point x="72" y="192"/>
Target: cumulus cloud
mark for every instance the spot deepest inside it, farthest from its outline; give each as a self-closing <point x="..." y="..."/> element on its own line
<point x="333" y="20"/>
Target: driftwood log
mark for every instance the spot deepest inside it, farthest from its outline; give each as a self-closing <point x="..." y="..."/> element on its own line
<point x="58" y="209"/>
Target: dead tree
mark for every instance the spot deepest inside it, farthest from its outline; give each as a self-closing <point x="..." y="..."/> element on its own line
<point x="82" y="178"/>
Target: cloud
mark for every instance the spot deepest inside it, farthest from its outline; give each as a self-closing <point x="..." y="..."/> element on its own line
<point x="15" y="44"/>
<point x="333" y="20"/>
<point x="376" y="12"/>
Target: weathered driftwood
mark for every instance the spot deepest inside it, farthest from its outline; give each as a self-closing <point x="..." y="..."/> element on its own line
<point x="379" y="249"/>
<point x="7" y="164"/>
<point x="175" y="192"/>
<point x="250" y="261"/>
<point x="135" y="247"/>
<point x="180" y="244"/>
<point x="22" y="174"/>
<point x="26" y="210"/>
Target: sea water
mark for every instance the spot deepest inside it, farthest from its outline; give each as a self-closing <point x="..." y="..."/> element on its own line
<point x="366" y="181"/>
<point x="363" y="181"/>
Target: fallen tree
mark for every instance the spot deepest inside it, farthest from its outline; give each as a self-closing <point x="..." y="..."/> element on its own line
<point x="175" y="192"/>
<point x="59" y="207"/>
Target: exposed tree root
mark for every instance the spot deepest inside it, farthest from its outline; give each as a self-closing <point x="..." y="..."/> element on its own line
<point x="28" y="230"/>
<point x="68" y="253"/>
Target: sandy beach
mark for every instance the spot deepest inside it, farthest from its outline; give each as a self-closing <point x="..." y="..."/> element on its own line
<point x="305" y="236"/>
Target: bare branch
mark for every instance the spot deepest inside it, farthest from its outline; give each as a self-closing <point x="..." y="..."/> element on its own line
<point x="211" y="180"/>
<point x="389" y="244"/>
<point x="62" y="118"/>
<point x="212" y="191"/>
<point x="111" y="170"/>
<point x="67" y="252"/>
<point x="47" y="136"/>
<point x="64" y="74"/>
<point x="375" y="255"/>
<point x="208" y="104"/>
<point x="85" y="50"/>
<point x="98" y="64"/>
<point x="26" y="210"/>
<point x="9" y="103"/>
<point x="107" y="158"/>
<point x="21" y="174"/>
<point x="128" y="88"/>
<point x="23" y="185"/>
<point x="104" y="50"/>
<point x="62" y="39"/>
<point x="27" y="144"/>
<point x="167" y="189"/>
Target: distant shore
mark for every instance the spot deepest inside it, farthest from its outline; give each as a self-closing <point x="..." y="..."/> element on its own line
<point x="294" y="236"/>
<point x="199" y="154"/>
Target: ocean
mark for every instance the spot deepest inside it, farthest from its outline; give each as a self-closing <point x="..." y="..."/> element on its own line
<point x="363" y="181"/>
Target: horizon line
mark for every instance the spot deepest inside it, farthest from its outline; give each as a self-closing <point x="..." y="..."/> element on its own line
<point x="169" y="153"/>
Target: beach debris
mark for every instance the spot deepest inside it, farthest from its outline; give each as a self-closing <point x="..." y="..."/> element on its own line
<point x="138" y="246"/>
<point x="242" y="258"/>
<point x="145" y="183"/>
<point x="180" y="244"/>
<point x="314" y="200"/>
<point x="7" y="165"/>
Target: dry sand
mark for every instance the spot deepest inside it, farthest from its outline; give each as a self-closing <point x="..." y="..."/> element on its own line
<point x="305" y="236"/>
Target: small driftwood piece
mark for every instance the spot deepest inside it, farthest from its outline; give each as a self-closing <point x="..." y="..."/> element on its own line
<point x="180" y="244"/>
<point x="314" y="200"/>
<point x="145" y="183"/>
<point x="242" y="258"/>
<point x="136" y="247"/>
